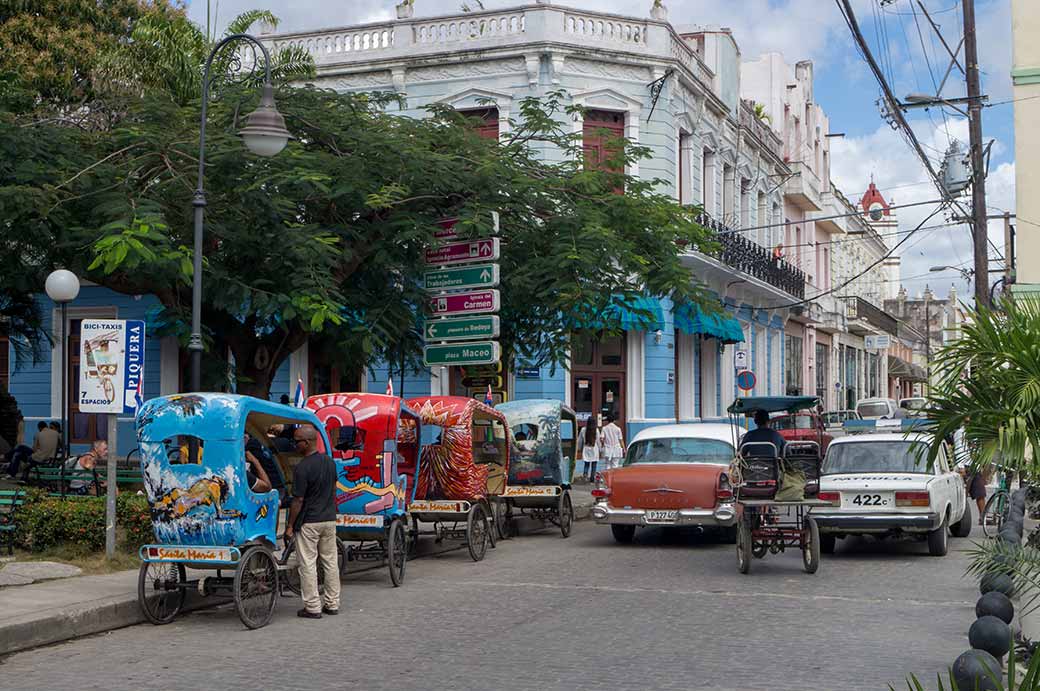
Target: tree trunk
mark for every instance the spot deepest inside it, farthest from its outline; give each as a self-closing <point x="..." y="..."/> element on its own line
<point x="251" y="381"/>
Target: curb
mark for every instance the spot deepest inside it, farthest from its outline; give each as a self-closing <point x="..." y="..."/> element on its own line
<point x="97" y="616"/>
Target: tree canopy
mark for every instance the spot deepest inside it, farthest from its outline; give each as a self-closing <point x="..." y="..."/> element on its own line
<point x="329" y="236"/>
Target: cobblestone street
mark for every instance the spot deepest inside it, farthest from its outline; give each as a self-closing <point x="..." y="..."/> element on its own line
<point x="540" y="612"/>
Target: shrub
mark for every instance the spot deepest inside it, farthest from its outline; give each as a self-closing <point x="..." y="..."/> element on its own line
<point x="45" y="522"/>
<point x="134" y="517"/>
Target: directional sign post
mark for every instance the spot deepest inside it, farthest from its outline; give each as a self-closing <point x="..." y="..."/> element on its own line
<point x="461" y="329"/>
<point x="487" y="250"/>
<point x="479" y="353"/>
<point x="463" y="277"/>
<point x="478" y="302"/>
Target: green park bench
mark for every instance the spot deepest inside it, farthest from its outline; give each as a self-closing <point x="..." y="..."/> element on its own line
<point x="58" y="479"/>
<point x="10" y="500"/>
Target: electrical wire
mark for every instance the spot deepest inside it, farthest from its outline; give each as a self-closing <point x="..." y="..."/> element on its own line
<point x="882" y="258"/>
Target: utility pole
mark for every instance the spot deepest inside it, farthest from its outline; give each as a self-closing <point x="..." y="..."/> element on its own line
<point x="980" y="227"/>
<point x="928" y="338"/>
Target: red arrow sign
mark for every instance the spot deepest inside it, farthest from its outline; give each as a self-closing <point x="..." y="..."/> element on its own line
<point x="478" y="302"/>
<point x="463" y="252"/>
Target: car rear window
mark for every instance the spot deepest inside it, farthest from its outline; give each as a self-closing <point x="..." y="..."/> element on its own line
<point x="872" y="409"/>
<point x="680" y="450"/>
<point x="876" y="457"/>
<point x="793" y="422"/>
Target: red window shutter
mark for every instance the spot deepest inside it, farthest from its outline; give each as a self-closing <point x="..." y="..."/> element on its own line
<point x="488" y="125"/>
<point x="599" y="128"/>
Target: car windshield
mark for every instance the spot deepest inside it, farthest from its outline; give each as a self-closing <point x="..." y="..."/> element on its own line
<point x="914" y="403"/>
<point x="680" y="450"/>
<point x="872" y="409"/>
<point x="793" y="422"/>
<point x="876" y="457"/>
<point x="838" y="418"/>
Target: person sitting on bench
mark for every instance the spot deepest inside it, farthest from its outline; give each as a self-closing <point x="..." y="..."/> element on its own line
<point x="763" y="433"/>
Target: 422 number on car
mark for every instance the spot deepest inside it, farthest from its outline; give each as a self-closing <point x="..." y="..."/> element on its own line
<point x="870" y="500"/>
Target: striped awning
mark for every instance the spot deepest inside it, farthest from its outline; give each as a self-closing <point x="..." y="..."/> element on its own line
<point x="691" y="319"/>
<point x="642" y="313"/>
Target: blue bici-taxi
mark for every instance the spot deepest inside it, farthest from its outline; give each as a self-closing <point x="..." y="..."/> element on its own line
<point x="205" y="516"/>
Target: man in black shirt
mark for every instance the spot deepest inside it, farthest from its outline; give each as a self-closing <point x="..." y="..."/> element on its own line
<point x="312" y="518"/>
<point x="763" y="433"/>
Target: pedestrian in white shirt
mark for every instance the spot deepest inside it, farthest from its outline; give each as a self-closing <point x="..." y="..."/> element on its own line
<point x="612" y="444"/>
<point x="589" y="451"/>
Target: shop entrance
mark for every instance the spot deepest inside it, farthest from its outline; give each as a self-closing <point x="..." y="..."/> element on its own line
<point x="598" y="371"/>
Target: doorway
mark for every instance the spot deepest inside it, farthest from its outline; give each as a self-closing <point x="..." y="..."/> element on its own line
<point x="598" y="371"/>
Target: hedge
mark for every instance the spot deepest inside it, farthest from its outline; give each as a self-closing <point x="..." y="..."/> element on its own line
<point x="45" y="522"/>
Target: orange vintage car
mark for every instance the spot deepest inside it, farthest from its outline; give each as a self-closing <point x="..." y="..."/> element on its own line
<point x="672" y="476"/>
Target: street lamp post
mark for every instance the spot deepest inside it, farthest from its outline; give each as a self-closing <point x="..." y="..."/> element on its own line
<point x="265" y="135"/>
<point x="62" y="287"/>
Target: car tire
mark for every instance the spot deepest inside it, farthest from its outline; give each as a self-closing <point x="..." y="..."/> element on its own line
<point x="962" y="528"/>
<point x="938" y="541"/>
<point x="827" y="543"/>
<point x="623" y="533"/>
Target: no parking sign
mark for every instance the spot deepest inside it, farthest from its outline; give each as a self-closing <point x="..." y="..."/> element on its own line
<point x="745" y="380"/>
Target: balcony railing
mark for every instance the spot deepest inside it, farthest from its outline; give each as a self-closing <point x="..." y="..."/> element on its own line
<point x="750" y="258"/>
<point x="760" y="129"/>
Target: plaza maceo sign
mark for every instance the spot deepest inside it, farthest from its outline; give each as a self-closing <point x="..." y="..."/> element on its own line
<point x="111" y="366"/>
<point x="479" y="353"/>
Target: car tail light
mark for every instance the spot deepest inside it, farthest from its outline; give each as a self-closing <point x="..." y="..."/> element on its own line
<point x="832" y="497"/>
<point x="912" y="499"/>
<point x="602" y="489"/>
<point x="724" y="490"/>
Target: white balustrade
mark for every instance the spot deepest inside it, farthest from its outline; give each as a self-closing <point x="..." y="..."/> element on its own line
<point x="468" y="29"/>
<point x="606" y="29"/>
<point x="338" y="44"/>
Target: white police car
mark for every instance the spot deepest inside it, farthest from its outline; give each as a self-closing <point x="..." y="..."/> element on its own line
<point x="879" y="484"/>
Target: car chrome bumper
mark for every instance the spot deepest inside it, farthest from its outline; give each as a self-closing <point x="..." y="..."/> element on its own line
<point x="875" y="523"/>
<point x="722" y="516"/>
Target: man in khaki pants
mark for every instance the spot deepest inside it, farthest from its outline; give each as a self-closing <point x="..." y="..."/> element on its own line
<point x="313" y="512"/>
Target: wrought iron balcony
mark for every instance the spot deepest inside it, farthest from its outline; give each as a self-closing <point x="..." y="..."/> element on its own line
<point x="750" y="258"/>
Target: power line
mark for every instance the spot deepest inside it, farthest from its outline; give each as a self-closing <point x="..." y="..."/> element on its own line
<point x="814" y="219"/>
<point x="882" y="258"/>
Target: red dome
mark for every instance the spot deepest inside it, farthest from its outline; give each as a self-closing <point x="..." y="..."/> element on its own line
<point x="873" y="196"/>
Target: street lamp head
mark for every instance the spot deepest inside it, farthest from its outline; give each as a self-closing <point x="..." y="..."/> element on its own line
<point x="264" y="133"/>
<point x="62" y="286"/>
<point x="940" y="268"/>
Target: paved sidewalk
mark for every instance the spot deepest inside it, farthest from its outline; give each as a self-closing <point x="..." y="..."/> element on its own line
<point x="53" y="611"/>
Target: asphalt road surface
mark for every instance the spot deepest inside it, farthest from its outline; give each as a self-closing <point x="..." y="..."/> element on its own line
<point x="541" y="612"/>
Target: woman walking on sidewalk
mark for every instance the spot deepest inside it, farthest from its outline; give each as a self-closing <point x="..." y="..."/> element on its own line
<point x="588" y="444"/>
<point x="612" y="444"/>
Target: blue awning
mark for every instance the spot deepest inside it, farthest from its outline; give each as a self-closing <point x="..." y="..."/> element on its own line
<point x="642" y="313"/>
<point x="691" y="319"/>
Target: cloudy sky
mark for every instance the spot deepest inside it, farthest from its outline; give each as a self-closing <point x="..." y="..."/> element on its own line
<point x="900" y="38"/>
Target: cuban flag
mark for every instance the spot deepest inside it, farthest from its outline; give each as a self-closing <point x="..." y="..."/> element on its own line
<point x="389" y="386"/>
<point x="488" y="399"/>
<point x="299" y="399"/>
<point x="138" y="394"/>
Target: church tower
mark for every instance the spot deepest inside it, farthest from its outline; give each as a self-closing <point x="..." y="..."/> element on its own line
<point x="882" y="218"/>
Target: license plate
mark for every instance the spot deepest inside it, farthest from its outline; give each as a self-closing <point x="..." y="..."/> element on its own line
<point x="867" y="501"/>
<point x="661" y="516"/>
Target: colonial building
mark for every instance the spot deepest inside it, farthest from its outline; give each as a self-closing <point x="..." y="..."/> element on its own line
<point x="746" y="142"/>
<point x="677" y="92"/>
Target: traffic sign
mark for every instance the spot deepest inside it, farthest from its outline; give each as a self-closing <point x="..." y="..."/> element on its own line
<point x="474" y="276"/>
<point x="487" y="250"/>
<point x="479" y="353"/>
<point x="746" y="380"/>
<point x="478" y="302"/>
<point x="461" y="329"/>
<point x="480" y="382"/>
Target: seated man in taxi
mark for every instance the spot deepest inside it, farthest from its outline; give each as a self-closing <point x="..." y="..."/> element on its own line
<point x="763" y="433"/>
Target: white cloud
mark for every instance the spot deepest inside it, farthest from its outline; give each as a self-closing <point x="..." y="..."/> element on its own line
<point x="901" y="177"/>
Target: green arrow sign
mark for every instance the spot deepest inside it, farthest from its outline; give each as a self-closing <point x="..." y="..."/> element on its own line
<point x="479" y="353"/>
<point x="462" y="329"/>
<point x="477" y="276"/>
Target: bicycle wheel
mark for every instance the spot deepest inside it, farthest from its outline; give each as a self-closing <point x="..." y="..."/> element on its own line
<point x="996" y="513"/>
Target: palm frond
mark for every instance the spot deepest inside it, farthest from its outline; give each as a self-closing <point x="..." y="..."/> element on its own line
<point x="241" y="23"/>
